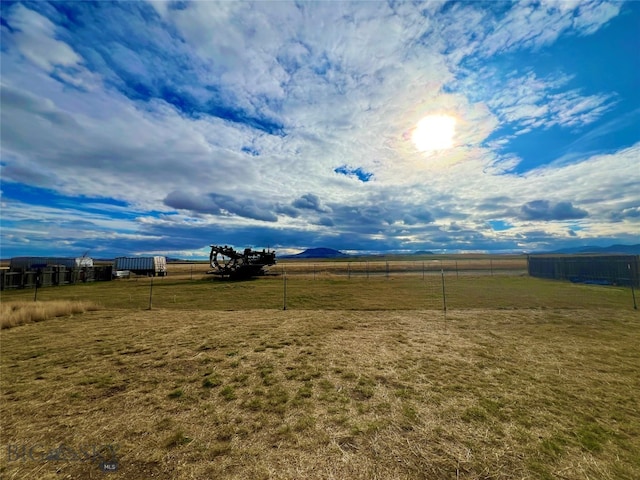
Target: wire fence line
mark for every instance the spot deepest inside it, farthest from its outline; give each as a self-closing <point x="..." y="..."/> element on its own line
<point x="377" y="268"/>
<point x="427" y="267"/>
<point x="352" y="285"/>
<point x="441" y="291"/>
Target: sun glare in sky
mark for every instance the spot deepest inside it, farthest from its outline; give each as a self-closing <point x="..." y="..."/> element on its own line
<point x="532" y="109"/>
<point x="434" y="132"/>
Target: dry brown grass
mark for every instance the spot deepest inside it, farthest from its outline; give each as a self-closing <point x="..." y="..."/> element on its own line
<point x="13" y="314"/>
<point x="359" y="267"/>
<point x="318" y="394"/>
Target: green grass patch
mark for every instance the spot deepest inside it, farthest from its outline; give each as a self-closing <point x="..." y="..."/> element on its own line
<point x="228" y="393"/>
<point x="177" y="393"/>
<point x="177" y="439"/>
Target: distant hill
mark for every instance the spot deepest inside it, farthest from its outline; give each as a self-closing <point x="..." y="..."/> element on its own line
<point x="423" y="252"/>
<point x="318" y="253"/>
<point x="621" y="249"/>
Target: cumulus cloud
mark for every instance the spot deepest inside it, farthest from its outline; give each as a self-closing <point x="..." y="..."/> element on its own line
<point x="545" y="210"/>
<point x="309" y="201"/>
<point x="216" y="204"/>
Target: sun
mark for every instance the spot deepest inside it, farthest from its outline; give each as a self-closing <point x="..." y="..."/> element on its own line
<point x="434" y="132"/>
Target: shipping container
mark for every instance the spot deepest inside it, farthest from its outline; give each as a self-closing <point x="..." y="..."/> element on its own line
<point x="152" y="266"/>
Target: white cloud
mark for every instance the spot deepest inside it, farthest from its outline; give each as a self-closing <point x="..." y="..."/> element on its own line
<point x="592" y="15"/>
<point x="533" y="25"/>
<point x="339" y="84"/>
<point x="35" y="40"/>
<point x="526" y="100"/>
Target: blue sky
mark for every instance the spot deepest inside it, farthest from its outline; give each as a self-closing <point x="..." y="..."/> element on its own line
<point x="164" y="127"/>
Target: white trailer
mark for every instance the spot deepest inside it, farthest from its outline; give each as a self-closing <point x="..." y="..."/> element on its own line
<point x="151" y="266"/>
<point x="84" y="262"/>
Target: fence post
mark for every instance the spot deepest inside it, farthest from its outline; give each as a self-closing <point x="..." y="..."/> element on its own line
<point x="444" y="294"/>
<point x="35" y="294"/>
<point x="633" y="292"/>
<point x="284" y="289"/>
<point x="150" y="292"/>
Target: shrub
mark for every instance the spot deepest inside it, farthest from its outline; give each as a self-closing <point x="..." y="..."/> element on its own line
<point x="14" y="314"/>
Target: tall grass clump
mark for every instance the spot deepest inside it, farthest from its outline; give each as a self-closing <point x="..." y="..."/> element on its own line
<point x="13" y="314"/>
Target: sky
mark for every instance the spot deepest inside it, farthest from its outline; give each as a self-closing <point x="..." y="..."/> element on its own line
<point x="161" y="128"/>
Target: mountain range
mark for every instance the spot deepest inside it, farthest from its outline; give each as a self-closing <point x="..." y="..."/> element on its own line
<point x="318" y="253"/>
<point x="612" y="249"/>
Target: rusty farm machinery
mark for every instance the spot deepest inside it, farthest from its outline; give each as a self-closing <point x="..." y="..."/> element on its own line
<point x="227" y="262"/>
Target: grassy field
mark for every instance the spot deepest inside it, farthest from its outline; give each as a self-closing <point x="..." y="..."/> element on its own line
<point x="331" y="292"/>
<point x="357" y="379"/>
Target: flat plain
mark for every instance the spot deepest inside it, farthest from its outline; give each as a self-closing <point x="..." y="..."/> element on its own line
<point x="358" y="378"/>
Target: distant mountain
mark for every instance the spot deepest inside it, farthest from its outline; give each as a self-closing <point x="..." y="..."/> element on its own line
<point x="318" y="253"/>
<point x="621" y="249"/>
<point x="423" y="252"/>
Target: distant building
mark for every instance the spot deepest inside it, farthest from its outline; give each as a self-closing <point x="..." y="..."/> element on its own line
<point x="29" y="263"/>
